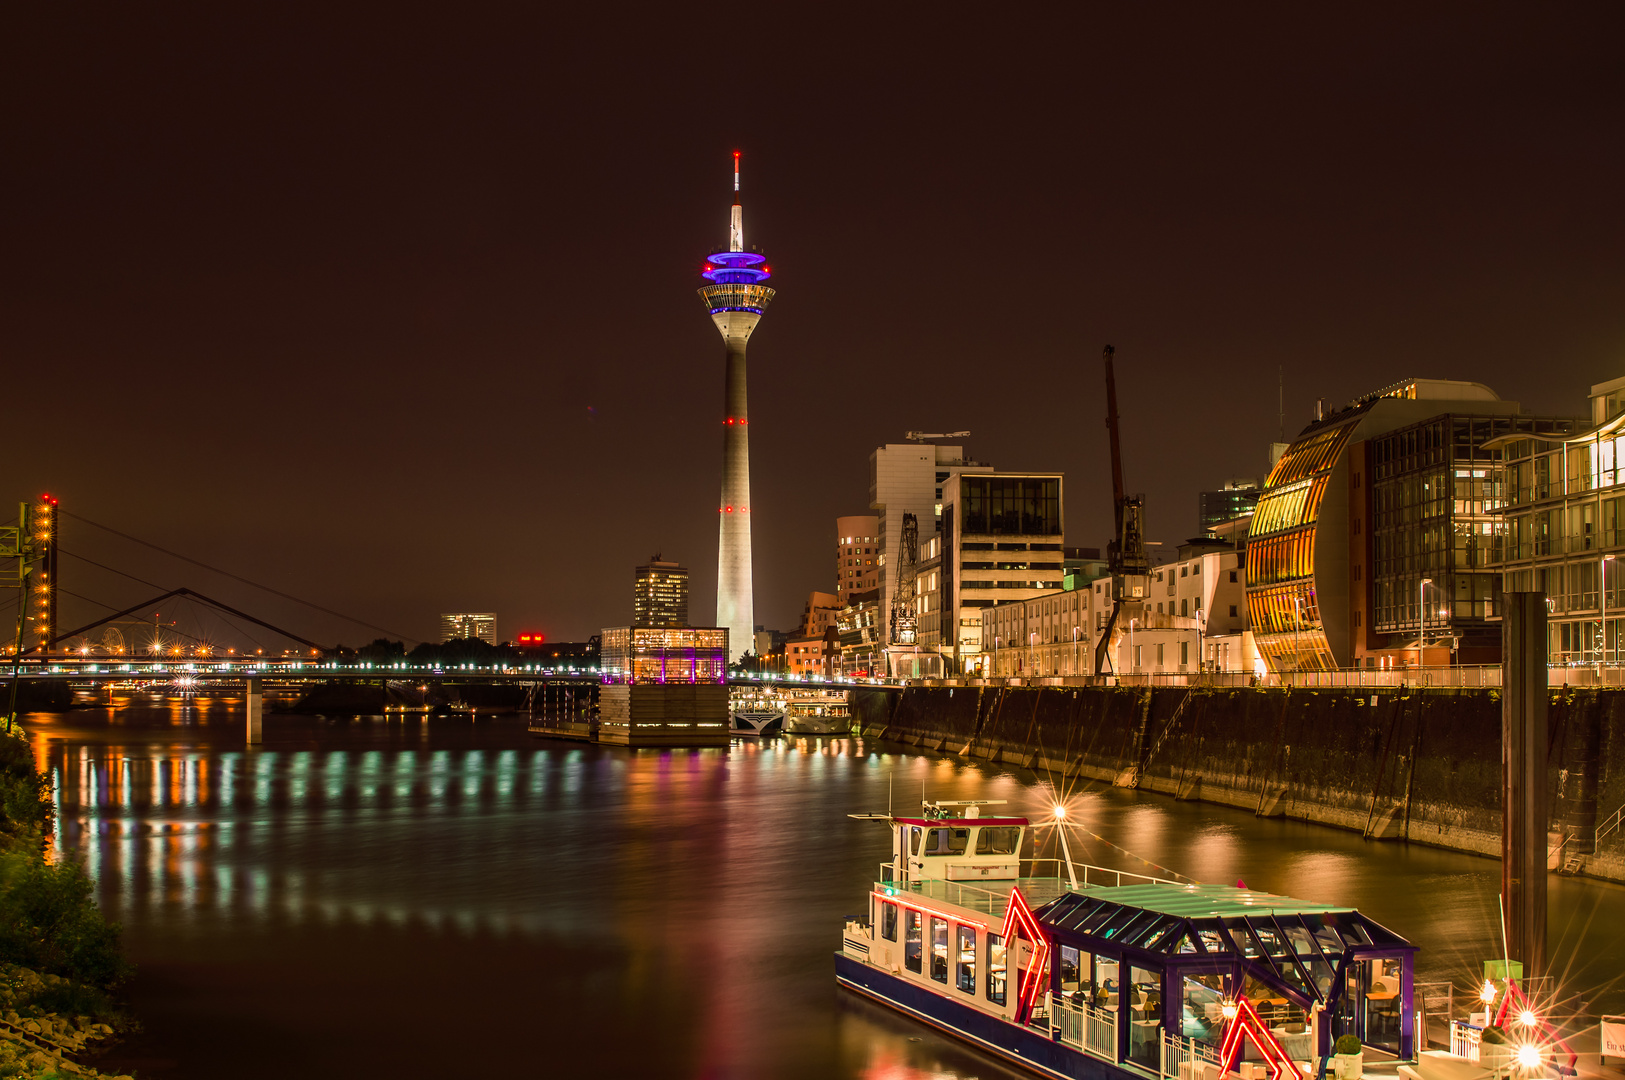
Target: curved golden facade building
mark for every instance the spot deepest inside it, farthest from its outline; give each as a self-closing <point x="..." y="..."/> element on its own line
<point x="1314" y="514"/>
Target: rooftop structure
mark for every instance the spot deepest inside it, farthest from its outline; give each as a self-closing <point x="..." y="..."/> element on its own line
<point x="736" y="299"/>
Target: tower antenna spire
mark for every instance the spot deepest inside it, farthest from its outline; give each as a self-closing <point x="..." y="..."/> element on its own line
<point x="736" y="225"/>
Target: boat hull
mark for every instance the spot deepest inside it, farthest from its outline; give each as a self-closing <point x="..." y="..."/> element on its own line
<point x="1013" y="1043"/>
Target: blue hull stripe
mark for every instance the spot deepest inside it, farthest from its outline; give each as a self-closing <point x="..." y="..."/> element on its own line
<point x="1011" y="1042"/>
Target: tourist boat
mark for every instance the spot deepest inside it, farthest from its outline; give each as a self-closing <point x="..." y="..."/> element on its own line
<point x="1104" y="974"/>
<point x="755" y="712"/>
<point x="817" y="712"/>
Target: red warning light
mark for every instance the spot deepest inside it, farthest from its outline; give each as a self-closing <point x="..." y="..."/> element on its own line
<point x="532" y="639"/>
<point x="48" y="499"/>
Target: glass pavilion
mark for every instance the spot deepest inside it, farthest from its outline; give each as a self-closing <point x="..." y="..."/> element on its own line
<point x="1164" y="959"/>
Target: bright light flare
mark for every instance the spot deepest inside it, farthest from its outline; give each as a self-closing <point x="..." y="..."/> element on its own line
<point x="1530" y="1056"/>
<point x="1487" y="995"/>
<point x="1228" y="1009"/>
<point x="1528" y="1018"/>
<point x="1060" y="812"/>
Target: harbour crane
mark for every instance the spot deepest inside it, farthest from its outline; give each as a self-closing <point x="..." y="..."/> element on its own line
<point x="922" y="436"/>
<point x="1126" y="558"/>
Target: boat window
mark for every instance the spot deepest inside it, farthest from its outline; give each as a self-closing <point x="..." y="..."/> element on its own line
<point x="965" y="974"/>
<point x="1203" y="1007"/>
<point x="997" y="839"/>
<point x="888" y="921"/>
<point x="1330" y="942"/>
<point x="1267" y="936"/>
<point x="996" y="969"/>
<point x="1069" y="968"/>
<point x="939" y="949"/>
<point x="914" y="835"/>
<point x="1145" y="1016"/>
<point x="911" y="940"/>
<point x="946" y="841"/>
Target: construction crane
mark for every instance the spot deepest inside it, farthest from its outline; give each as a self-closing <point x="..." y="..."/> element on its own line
<point x="905" y="619"/>
<point x="1125" y="553"/>
<point x="922" y="436"/>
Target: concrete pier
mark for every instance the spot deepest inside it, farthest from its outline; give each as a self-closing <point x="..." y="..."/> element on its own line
<point x="254" y="700"/>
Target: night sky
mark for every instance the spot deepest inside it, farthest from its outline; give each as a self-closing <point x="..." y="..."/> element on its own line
<point x="394" y="308"/>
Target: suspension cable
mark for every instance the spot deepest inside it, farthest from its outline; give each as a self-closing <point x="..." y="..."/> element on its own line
<point x="237" y="577"/>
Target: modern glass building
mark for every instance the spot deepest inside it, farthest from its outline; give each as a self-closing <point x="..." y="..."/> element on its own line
<point x="1562" y="510"/>
<point x="1311" y="561"/>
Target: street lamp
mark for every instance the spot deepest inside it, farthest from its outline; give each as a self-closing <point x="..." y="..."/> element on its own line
<point x="1602" y="594"/>
<point x="1421" y="613"/>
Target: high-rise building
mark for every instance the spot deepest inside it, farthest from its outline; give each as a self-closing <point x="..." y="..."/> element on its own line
<point x="660" y="594"/>
<point x="481" y="625"/>
<point x="907" y="478"/>
<point x="857" y="555"/>
<point x="736" y="299"/>
<point x="1236" y="499"/>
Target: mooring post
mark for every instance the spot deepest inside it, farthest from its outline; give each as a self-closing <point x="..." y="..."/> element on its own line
<point x="254" y="700"/>
<point x="1524" y="820"/>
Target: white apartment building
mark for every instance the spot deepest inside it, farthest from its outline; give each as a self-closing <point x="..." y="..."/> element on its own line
<point x="1195" y="619"/>
<point x="908" y="478"/>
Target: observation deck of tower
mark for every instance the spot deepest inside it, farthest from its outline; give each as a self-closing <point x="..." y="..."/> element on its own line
<point x="736" y="299"/>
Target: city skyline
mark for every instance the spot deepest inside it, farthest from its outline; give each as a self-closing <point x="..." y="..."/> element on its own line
<point x="282" y="292"/>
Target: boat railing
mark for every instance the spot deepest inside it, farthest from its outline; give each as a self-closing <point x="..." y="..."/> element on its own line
<point x="1086" y="1027"/>
<point x="1042" y="881"/>
<point x="1177" y="1050"/>
<point x="1464" y="1039"/>
<point x="989" y="898"/>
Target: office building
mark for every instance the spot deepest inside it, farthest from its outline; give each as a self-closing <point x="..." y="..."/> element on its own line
<point x="908" y="478"/>
<point x="478" y="625"/>
<point x="1560" y="509"/>
<point x="660" y="594"/>
<point x="1000" y="539"/>
<point x="857" y="555"/>
<point x="1359" y="537"/>
<point x="1236" y="499"/>
<point x="736" y="299"/>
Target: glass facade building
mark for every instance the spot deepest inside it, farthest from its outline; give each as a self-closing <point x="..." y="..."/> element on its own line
<point x="1362" y="507"/>
<point x="1561" y="507"/>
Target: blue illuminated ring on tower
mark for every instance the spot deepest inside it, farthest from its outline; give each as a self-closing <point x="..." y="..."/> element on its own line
<point x="736" y="268"/>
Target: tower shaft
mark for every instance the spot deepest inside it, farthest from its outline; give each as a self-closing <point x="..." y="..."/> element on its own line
<point x="735" y="602"/>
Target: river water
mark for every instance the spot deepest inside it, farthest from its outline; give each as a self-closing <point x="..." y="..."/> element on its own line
<point x="445" y="897"/>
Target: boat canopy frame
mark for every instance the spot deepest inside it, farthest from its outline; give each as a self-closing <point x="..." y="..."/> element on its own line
<point x="1301" y="950"/>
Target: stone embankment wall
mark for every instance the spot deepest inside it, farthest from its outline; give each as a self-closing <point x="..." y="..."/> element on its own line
<point x="1423" y="765"/>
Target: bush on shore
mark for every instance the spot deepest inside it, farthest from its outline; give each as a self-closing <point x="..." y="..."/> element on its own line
<point x="49" y="921"/>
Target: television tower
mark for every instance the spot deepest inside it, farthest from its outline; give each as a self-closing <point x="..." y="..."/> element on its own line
<point x="736" y="299"/>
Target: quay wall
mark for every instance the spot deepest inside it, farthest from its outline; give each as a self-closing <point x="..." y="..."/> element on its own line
<point x="1418" y="765"/>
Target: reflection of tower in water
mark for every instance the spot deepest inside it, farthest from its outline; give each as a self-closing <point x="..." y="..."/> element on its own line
<point x="736" y="299"/>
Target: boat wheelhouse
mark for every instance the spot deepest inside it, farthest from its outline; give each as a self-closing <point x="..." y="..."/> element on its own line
<point x="1105" y="974"/>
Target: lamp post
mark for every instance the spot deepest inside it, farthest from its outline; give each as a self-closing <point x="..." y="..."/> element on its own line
<point x="1602" y="595"/>
<point x="1032" y="640"/>
<point x="1074" y="648"/>
<point x="1133" y="660"/>
<point x="1422" y="614"/>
